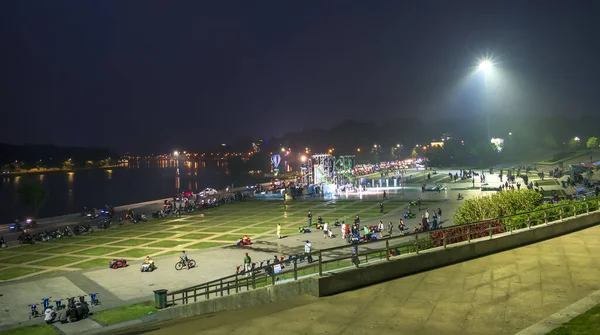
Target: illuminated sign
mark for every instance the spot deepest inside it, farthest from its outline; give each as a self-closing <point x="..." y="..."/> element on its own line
<point x="498" y="143"/>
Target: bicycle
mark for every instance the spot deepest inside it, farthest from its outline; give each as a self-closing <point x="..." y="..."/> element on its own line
<point x="181" y="264"/>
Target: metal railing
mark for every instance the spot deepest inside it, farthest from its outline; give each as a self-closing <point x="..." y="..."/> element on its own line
<point x="353" y="255"/>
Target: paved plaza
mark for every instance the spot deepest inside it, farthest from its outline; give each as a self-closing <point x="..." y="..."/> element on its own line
<point x="79" y="265"/>
<point x="498" y="294"/>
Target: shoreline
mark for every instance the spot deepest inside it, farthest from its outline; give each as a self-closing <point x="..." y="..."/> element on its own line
<point x="72" y="216"/>
<point x="52" y="170"/>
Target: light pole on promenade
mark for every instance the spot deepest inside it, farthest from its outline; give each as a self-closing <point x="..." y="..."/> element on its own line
<point x="486" y="66"/>
<point x="177" y="180"/>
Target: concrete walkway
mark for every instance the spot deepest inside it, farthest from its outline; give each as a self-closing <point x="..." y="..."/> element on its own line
<point x="497" y="294"/>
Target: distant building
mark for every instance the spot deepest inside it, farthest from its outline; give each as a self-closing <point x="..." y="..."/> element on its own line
<point x="437" y="144"/>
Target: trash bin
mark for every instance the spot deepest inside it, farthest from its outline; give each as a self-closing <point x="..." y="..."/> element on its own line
<point x="160" y="299"/>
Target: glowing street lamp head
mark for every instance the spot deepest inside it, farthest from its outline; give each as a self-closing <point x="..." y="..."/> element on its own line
<point x="303" y="158"/>
<point x="176" y="153"/>
<point x="486" y="65"/>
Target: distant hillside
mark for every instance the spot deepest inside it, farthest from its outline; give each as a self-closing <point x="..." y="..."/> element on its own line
<point x="30" y="153"/>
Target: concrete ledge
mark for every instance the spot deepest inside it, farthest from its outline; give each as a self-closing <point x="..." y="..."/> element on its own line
<point x="438" y="257"/>
<point x="264" y="295"/>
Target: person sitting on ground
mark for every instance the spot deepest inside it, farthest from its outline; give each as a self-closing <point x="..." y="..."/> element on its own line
<point x="185" y="259"/>
<point x="61" y="316"/>
<point x="49" y="315"/>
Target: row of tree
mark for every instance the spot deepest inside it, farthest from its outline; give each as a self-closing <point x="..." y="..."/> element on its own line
<point x="52" y="156"/>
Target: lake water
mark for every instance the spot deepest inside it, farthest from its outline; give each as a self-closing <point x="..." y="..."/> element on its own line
<point x="69" y="192"/>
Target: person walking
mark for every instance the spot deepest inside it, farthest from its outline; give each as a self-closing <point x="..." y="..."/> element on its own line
<point x="427" y="215"/>
<point x="439" y="215"/>
<point x="380" y="229"/>
<point x="247" y="264"/>
<point x="325" y="230"/>
<point x="279" y="230"/>
<point x="401" y="227"/>
<point x="381" y="207"/>
<point x="390" y="228"/>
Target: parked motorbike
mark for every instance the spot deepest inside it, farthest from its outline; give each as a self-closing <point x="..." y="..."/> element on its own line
<point x="135" y="218"/>
<point x="30" y="223"/>
<point x="25" y="238"/>
<point x="16" y="227"/>
<point x="104" y="224"/>
<point x="109" y="211"/>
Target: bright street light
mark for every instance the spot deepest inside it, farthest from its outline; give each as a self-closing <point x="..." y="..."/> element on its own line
<point x="486" y="65"/>
<point x="176" y="153"/>
<point x="303" y="158"/>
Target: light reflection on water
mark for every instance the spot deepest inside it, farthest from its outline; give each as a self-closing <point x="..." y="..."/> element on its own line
<point x="97" y="187"/>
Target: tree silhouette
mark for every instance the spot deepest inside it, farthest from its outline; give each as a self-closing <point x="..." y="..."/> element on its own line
<point x="32" y="194"/>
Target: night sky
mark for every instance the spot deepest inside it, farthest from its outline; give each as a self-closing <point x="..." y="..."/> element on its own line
<point x="149" y="75"/>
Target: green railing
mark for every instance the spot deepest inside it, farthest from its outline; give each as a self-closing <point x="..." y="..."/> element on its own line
<point x="353" y="255"/>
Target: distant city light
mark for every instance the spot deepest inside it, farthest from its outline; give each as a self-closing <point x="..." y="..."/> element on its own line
<point x="176" y="153"/>
<point x="577" y="138"/>
<point x="358" y="150"/>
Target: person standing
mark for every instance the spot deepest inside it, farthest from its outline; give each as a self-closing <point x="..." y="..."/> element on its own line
<point x="390" y="228"/>
<point x="247" y="263"/>
<point x="427" y="215"/>
<point x="309" y="219"/>
<point x="380" y="227"/>
<point x="325" y="230"/>
<point x="439" y="215"/>
<point x="344" y="230"/>
<point x="347" y="230"/>
<point x="381" y="207"/>
<point x="308" y="251"/>
<point x="279" y="230"/>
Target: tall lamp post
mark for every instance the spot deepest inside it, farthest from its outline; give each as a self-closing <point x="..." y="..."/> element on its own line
<point x="486" y="66"/>
<point x="177" y="180"/>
